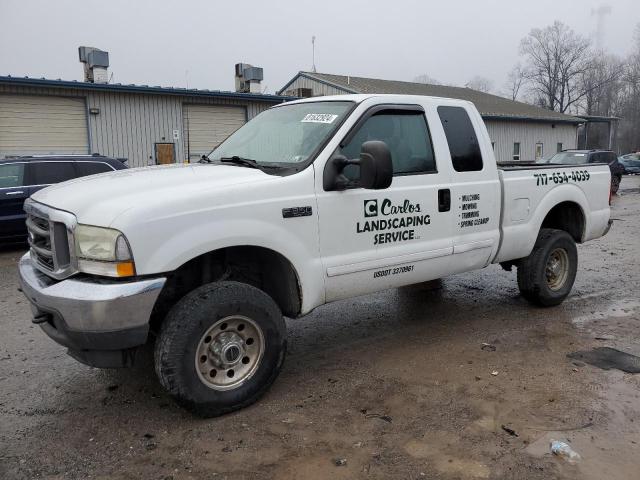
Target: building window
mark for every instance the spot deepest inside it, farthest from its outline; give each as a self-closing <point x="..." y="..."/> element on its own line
<point x="461" y="138"/>
<point x="516" y="151"/>
<point x="539" y="151"/>
<point x="559" y="147"/>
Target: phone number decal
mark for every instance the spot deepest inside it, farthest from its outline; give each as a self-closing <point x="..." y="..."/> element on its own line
<point x="561" y="177"/>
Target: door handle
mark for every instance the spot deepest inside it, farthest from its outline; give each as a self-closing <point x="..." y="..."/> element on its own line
<point x="444" y="200"/>
<point x="14" y="193"/>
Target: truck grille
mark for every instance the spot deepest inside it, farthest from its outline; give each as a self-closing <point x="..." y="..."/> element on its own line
<point x="40" y="241"/>
<point x="49" y="242"/>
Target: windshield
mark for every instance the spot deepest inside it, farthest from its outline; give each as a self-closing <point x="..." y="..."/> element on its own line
<point x="569" y="158"/>
<point x="287" y="135"/>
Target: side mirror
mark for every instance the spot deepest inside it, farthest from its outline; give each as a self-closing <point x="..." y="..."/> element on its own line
<point x="376" y="169"/>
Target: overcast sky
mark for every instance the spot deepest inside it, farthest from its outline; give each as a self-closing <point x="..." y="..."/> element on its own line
<point x="195" y="43"/>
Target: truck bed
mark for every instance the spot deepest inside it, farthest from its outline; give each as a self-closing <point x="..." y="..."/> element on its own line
<point x="531" y="190"/>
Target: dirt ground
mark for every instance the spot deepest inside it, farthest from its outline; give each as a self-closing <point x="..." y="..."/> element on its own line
<point x="394" y="385"/>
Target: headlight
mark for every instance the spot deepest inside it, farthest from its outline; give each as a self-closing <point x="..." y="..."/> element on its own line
<point x="103" y="251"/>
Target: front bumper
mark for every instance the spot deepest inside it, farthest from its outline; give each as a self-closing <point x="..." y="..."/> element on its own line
<point x="100" y="321"/>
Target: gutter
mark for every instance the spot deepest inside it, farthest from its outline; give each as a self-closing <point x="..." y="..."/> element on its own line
<point x="106" y="87"/>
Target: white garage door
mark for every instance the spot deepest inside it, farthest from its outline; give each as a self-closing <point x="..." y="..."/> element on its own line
<point x="34" y="124"/>
<point x="205" y="126"/>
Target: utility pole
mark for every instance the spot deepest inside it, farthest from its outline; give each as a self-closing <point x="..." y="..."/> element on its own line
<point x="313" y="53"/>
<point x="600" y="12"/>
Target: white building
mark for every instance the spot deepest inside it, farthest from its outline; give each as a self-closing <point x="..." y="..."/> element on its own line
<point x="147" y="125"/>
<point x="518" y="131"/>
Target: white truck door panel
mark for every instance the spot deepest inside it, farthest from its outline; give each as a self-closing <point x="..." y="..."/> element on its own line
<point x="475" y="189"/>
<point x="376" y="239"/>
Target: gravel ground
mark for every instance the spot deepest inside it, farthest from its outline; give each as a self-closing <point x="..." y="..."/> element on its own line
<point x="385" y="386"/>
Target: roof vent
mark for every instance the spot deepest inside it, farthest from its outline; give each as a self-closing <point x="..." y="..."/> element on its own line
<point x="248" y="78"/>
<point x="95" y="63"/>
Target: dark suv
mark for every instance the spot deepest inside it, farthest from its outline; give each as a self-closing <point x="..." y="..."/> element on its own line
<point x="577" y="157"/>
<point x="22" y="176"/>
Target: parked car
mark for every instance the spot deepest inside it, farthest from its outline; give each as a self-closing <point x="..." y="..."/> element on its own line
<point x="578" y="157"/>
<point x="22" y="176"/>
<point x="310" y="202"/>
<point x="545" y="158"/>
<point x="631" y="163"/>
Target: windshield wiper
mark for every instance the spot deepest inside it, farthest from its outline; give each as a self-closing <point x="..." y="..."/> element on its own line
<point x="248" y="162"/>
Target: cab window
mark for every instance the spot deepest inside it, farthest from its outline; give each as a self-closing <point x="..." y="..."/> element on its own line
<point x="11" y="175"/>
<point x="46" y="173"/>
<point x="405" y="133"/>
<point x="462" y="139"/>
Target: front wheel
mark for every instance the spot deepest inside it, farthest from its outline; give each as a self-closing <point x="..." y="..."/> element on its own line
<point x="546" y="276"/>
<point x="220" y="348"/>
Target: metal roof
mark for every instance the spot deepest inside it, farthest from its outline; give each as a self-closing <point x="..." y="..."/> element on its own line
<point x="491" y="107"/>
<point x="118" y="87"/>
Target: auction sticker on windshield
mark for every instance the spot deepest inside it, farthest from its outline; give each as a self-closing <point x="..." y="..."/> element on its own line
<point x="319" y="118"/>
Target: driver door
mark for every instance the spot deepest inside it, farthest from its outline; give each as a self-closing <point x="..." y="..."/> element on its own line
<point x="371" y="240"/>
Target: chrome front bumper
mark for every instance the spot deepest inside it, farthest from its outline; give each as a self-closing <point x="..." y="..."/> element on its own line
<point x="89" y="313"/>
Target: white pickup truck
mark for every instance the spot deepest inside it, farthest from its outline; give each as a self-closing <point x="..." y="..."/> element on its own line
<point x="311" y="202"/>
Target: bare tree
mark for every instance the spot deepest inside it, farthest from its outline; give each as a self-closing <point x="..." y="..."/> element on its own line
<point x="424" y="78"/>
<point x="629" y="105"/>
<point x="556" y="58"/>
<point x="515" y="81"/>
<point x="601" y="84"/>
<point x="482" y="84"/>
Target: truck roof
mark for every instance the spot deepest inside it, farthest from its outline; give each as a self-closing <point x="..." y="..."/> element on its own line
<point x="391" y="98"/>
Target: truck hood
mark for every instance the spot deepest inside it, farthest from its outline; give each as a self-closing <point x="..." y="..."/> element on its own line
<point x="99" y="199"/>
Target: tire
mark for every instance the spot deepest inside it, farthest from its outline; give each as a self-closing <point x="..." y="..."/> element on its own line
<point x="546" y="276"/>
<point x="224" y="322"/>
<point x="615" y="183"/>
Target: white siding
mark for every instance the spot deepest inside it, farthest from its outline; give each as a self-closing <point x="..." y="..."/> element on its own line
<point x="505" y="133"/>
<point x="318" y="88"/>
<point x="31" y="124"/>
<point x="129" y="124"/>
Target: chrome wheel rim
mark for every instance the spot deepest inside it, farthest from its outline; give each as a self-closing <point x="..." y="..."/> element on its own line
<point x="229" y="352"/>
<point x="557" y="269"/>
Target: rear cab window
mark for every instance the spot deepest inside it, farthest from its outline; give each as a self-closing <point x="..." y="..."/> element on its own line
<point x="461" y="138"/>
<point x="11" y="175"/>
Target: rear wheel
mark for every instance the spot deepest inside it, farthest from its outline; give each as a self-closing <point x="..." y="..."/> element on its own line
<point x="220" y="348"/>
<point x="615" y="183"/>
<point x="546" y="276"/>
